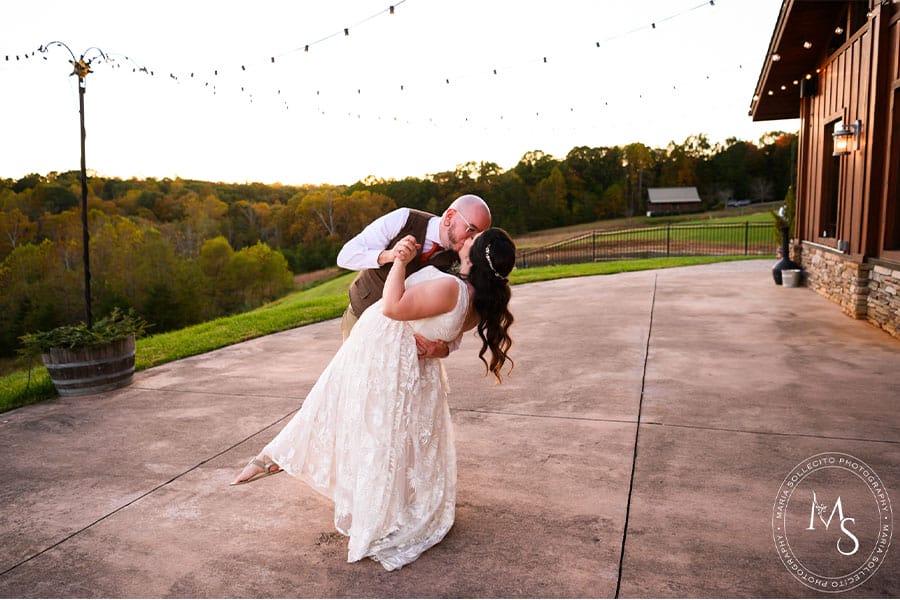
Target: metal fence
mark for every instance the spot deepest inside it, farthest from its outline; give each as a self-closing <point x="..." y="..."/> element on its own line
<point x="652" y="242"/>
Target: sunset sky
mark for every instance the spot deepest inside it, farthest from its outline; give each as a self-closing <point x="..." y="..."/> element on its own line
<point x="235" y="96"/>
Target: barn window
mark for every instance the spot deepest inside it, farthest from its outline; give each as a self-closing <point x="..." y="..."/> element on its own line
<point x="892" y="210"/>
<point x="831" y="177"/>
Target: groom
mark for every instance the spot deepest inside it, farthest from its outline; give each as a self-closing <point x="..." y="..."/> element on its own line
<point x="438" y="238"/>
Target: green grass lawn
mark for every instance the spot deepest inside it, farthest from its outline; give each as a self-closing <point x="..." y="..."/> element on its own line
<point x="757" y="217"/>
<point x="534" y="274"/>
<point x="728" y="233"/>
<point x="724" y="230"/>
<point x="320" y="303"/>
<point x="755" y="213"/>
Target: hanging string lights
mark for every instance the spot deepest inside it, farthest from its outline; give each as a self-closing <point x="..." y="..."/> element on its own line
<point x="245" y="68"/>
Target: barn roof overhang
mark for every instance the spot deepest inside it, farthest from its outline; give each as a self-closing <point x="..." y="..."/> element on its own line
<point x="799" y="44"/>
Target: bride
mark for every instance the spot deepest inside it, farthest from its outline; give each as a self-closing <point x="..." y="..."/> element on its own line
<point x="374" y="434"/>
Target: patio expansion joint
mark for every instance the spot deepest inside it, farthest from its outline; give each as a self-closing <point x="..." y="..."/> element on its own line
<point x="540" y="416"/>
<point x="199" y="392"/>
<point x="637" y="433"/>
<point x="769" y="433"/>
<point x="143" y="495"/>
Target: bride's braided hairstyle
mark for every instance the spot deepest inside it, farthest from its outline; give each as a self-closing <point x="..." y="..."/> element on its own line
<point x="493" y="256"/>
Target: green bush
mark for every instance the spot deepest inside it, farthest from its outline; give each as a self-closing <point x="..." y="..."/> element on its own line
<point x="117" y="326"/>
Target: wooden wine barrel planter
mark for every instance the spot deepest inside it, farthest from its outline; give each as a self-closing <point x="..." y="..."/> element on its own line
<point x="93" y="369"/>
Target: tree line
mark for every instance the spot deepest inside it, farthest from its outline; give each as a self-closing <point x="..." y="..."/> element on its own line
<point x="184" y="251"/>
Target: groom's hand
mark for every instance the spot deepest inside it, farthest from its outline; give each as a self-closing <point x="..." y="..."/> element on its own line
<point x="431" y="348"/>
<point x="404" y="250"/>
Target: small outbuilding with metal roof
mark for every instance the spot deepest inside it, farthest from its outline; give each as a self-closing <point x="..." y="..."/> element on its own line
<point x="672" y="200"/>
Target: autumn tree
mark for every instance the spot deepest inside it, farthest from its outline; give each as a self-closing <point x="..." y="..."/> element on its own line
<point x="509" y="202"/>
<point x="171" y="292"/>
<point x="38" y="293"/>
<point x="214" y="257"/>
<point x="15" y="229"/>
<point x="547" y="207"/>
<point x="242" y="224"/>
<point x="324" y="219"/>
<point x="535" y="166"/>
<point x="638" y="162"/>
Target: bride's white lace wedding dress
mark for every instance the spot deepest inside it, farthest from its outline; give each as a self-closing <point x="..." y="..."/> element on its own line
<point x="374" y="435"/>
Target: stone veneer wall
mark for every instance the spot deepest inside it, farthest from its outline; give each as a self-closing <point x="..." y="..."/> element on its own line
<point x="862" y="290"/>
<point x="884" y="298"/>
<point x="840" y="280"/>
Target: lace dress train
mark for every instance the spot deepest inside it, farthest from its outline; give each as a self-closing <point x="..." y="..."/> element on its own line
<point x="375" y="436"/>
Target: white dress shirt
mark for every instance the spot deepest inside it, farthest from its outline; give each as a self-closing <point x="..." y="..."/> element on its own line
<point x="362" y="251"/>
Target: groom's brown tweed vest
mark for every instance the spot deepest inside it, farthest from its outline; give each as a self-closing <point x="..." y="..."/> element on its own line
<point x="368" y="286"/>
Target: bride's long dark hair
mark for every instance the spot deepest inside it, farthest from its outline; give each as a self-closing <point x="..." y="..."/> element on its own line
<point x="493" y="256"/>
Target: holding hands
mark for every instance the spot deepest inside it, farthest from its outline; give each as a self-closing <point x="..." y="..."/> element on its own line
<point x="406" y="249"/>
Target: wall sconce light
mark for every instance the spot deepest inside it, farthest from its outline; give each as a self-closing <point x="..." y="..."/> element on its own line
<point x="844" y="136"/>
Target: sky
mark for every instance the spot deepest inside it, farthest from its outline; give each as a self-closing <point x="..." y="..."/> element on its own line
<point x="231" y="93"/>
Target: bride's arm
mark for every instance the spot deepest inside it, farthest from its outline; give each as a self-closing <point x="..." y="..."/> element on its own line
<point x="427" y="299"/>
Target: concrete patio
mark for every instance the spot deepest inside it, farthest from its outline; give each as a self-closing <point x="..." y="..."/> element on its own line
<point x="636" y="449"/>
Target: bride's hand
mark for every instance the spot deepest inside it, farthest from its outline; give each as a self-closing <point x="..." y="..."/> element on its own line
<point x="405" y="250"/>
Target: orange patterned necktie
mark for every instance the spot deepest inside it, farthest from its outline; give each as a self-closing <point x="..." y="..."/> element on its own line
<point x="427" y="255"/>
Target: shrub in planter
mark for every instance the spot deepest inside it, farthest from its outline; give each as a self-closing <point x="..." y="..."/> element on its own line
<point x="783" y="221"/>
<point x="86" y="361"/>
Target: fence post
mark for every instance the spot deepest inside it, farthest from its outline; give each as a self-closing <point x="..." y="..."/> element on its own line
<point x="668" y="237"/>
<point x="746" y="238"/>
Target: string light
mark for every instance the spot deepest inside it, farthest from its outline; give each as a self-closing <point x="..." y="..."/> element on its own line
<point x="391" y="10"/>
<point x="652" y="25"/>
<point x="271" y="59"/>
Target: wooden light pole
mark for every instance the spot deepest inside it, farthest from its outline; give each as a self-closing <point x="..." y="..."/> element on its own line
<point x="81" y="68"/>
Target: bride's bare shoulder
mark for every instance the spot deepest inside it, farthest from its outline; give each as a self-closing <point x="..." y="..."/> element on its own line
<point x="426" y="299"/>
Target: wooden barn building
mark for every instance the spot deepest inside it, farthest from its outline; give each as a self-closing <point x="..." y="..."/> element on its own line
<point x="835" y="64"/>
<point x="673" y="200"/>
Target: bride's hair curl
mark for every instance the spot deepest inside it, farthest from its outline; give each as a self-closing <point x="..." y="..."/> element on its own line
<point x="493" y="256"/>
